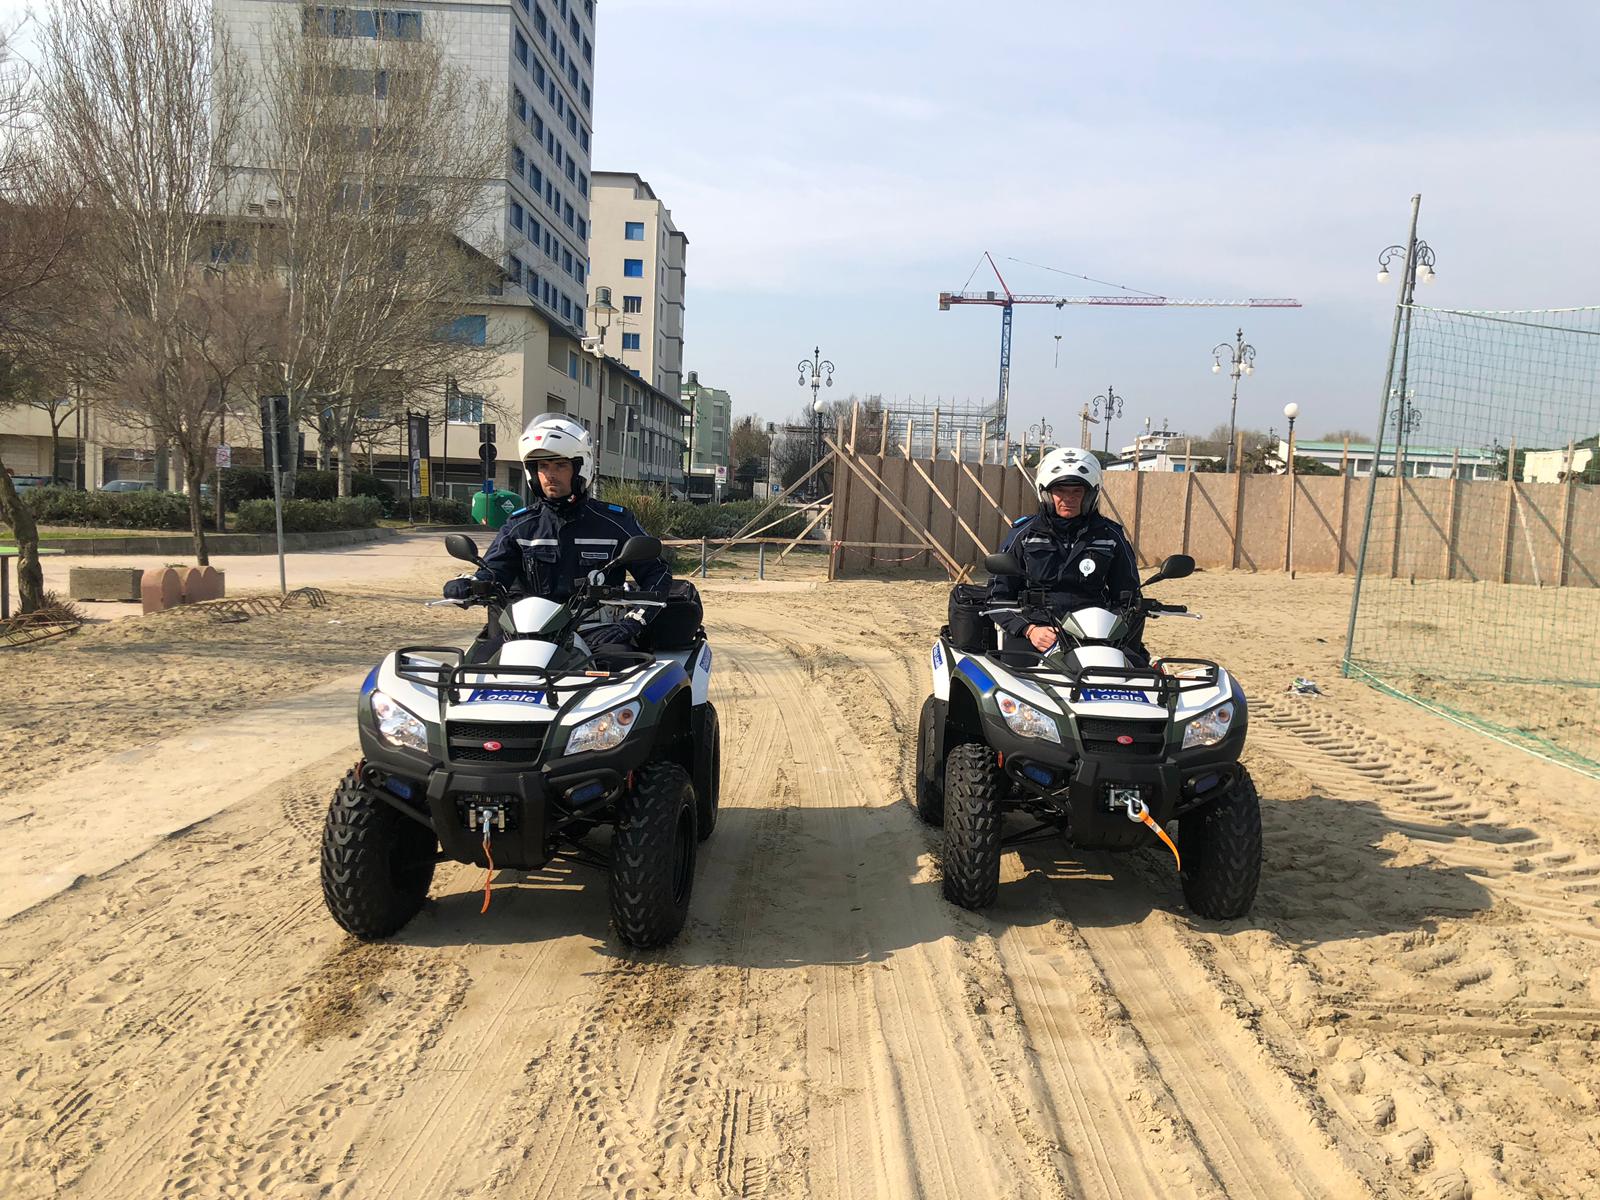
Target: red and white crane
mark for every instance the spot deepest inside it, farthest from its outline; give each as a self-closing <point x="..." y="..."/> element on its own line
<point x="1005" y="299"/>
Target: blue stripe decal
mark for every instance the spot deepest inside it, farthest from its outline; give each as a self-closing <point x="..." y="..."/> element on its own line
<point x="664" y="683"/>
<point x="371" y="681"/>
<point x="980" y="677"/>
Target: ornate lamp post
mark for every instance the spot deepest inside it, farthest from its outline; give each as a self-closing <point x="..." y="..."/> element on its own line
<point x="1107" y="406"/>
<point x="1241" y="359"/>
<point x="602" y="311"/>
<point x="816" y="372"/>
<point x="1040" y="431"/>
<point x="1290" y="410"/>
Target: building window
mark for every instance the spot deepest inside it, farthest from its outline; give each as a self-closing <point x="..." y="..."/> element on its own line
<point x="566" y="313"/>
<point x="633" y="268"/>
<point x="539" y="77"/>
<point x="566" y="260"/>
<point x="516" y="215"/>
<point x="521" y="44"/>
<point x="630" y="341"/>
<point x="588" y="374"/>
<point x="572" y="171"/>
<point x="572" y="123"/>
<point x="536" y="178"/>
<point x="588" y="51"/>
<point x="572" y="355"/>
<point x="582" y="273"/>
<point x="514" y="268"/>
<point x="568" y="216"/>
<point x="583" y="139"/>
<point x="632" y="304"/>
<point x="539" y="22"/>
<point x="586" y="95"/>
<point x="519" y="103"/>
<point x="583" y="229"/>
<point x="633" y="231"/>
<point x="464" y="408"/>
<point x="532" y="230"/>
<point x="518" y="159"/>
<point x="536" y="123"/>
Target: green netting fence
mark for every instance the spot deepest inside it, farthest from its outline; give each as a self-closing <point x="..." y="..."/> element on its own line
<point x="1478" y="591"/>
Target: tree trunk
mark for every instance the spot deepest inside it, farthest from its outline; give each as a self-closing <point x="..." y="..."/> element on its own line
<point x="30" y="577"/>
<point x="55" y="451"/>
<point x="346" y="451"/>
<point x="197" y="523"/>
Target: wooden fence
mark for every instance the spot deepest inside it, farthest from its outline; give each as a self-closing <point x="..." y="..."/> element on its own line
<point x="885" y="505"/>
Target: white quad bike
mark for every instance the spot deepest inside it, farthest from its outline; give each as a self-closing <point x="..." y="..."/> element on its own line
<point x="508" y="754"/>
<point x="1094" y="746"/>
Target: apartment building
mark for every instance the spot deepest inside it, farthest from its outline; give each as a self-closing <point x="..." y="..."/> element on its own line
<point x="637" y="251"/>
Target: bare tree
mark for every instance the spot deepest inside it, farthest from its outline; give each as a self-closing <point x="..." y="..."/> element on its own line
<point x="367" y="164"/>
<point x="137" y="95"/>
<point x="41" y="226"/>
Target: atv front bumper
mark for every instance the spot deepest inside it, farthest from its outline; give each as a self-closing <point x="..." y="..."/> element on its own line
<point x="529" y="810"/>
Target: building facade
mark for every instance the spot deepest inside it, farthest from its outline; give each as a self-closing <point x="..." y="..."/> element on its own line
<point x="539" y="55"/>
<point x="708" y="433"/>
<point x="637" y="251"/>
<point x="1418" y="462"/>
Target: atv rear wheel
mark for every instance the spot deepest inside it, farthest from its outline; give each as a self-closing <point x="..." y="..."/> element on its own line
<point x="708" y="771"/>
<point x="973" y="787"/>
<point x="1221" y="847"/>
<point x="377" y="863"/>
<point x="930" y="771"/>
<point x="653" y="855"/>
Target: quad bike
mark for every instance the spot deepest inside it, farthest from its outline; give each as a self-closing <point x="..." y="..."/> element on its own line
<point x="1092" y="744"/>
<point x="509" y="754"/>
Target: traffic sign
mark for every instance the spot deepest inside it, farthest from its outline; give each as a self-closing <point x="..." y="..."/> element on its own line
<point x="224" y="456"/>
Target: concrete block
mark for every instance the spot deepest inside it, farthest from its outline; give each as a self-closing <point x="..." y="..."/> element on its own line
<point x="103" y="583"/>
<point x="212" y="586"/>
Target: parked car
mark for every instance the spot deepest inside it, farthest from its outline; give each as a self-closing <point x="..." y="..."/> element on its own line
<point x="25" y="483"/>
<point x="129" y="485"/>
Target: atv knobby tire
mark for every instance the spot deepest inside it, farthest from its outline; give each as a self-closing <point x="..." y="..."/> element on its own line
<point x="708" y="771"/>
<point x="1221" y="848"/>
<point x="377" y="863"/>
<point x="973" y="788"/>
<point x="930" y="791"/>
<point x="652" y="855"/>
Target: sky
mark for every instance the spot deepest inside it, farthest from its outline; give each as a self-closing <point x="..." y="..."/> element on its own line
<point x="838" y="163"/>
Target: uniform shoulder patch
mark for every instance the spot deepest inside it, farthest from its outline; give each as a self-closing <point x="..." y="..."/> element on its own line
<point x="519" y="512"/>
<point x="1022" y="520"/>
<point x="616" y="508"/>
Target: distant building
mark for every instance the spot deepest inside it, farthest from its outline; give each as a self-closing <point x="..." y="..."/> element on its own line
<point x="637" y="252"/>
<point x="1551" y="466"/>
<point x="709" y="423"/>
<point x="1420" y="462"/>
<point x="1160" y="450"/>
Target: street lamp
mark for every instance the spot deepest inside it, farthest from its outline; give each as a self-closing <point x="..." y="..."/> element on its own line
<point x="602" y="311"/>
<point x="1241" y="357"/>
<point x="816" y="372"/>
<point x="1040" y="431"/>
<point x="1111" y="403"/>
<point x="694" y="389"/>
<point x="1290" y="410"/>
<point x="1421" y="264"/>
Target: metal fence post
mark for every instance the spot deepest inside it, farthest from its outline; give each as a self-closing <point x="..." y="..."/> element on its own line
<point x="702" y="558"/>
<point x="761" y="561"/>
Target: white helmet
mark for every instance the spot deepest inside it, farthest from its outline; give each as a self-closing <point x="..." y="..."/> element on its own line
<point x="1068" y="462"/>
<point x="555" y="436"/>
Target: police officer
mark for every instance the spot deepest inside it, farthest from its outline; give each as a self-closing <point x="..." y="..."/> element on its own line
<point x="542" y="550"/>
<point x="1068" y="549"/>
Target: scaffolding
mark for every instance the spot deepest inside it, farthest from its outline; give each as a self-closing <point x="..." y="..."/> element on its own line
<point x="943" y="428"/>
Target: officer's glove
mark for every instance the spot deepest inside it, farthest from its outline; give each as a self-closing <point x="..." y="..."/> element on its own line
<point x="619" y="633"/>
<point x="459" y="588"/>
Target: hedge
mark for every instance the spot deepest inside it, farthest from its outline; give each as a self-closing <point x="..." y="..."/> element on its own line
<point x="682" y="519"/>
<point x="441" y="511"/>
<point x="110" y="510"/>
<point x="310" y="516"/>
<point x="255" y="483"/>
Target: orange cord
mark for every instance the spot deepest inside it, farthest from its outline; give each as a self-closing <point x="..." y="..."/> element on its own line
<point x="1154" y="828"/>
<point x="488" y="878"/>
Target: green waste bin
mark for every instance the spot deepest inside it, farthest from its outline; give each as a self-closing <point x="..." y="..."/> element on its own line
<point x="494" y="508"/>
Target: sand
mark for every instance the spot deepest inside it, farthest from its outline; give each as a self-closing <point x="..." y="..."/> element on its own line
<point x="1411" y="1009"/>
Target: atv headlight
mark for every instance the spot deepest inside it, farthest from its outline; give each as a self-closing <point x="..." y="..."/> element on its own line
<point x="604" y="732"/>
<point x="398" y="725"/>
<point x="1209" y="727"/>
<point x="1025" y="720"/>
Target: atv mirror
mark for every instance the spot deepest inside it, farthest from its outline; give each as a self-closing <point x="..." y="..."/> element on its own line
<point x="1002" y="564"/>
<point x="638" y="550"/>
<point x="1175" y="566"/>
<point x="459" y="545"/>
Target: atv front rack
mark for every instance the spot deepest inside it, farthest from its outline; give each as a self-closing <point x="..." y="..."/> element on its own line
<point x="1199" y="674"/>
<point x="448" y="678"/>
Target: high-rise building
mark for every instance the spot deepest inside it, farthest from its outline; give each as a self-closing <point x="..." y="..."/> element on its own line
<point x="708" y="431"/>
<point x="638" y="253"/>
<point x="538" y="54"/>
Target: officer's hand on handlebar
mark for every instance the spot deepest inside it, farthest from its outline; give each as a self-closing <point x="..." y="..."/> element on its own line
<point x="1042" y="637"/>
<point x="458" y="589"/>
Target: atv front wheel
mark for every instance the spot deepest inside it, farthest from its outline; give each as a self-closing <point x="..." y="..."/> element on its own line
<point x="1221" y="847"/>
<point x="708" y="772"/>
<point x="973" y="787"/>
<point x="377" y="863"/>
<point x="652" y="855"/>
<point x="930" y="772"/>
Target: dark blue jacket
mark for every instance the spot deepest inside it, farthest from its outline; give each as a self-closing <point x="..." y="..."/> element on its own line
<point x="1083" y="561"/>
<point x="544" y="548"/>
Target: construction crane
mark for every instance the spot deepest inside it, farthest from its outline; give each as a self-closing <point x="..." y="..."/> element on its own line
<point x="1006" y="299"/>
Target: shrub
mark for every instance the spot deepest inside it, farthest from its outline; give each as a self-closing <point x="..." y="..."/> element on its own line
<point x="670" y="519"/>
<point x="310" y="516"/>
<point x="442" y="512"/>
<point x="109" y="510"/>
<point x="245" y="483"/>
